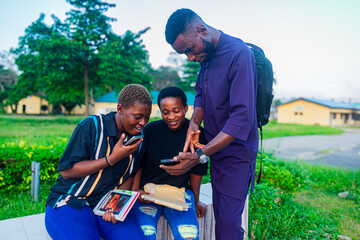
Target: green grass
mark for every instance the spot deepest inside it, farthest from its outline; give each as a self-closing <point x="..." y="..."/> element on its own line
<point x="37" y="129"/>
<point x="274" y="129"/>
<point x="43" y="129"/>
<point x="313" y="199"/>
<point x="345" y="212"/>
<point x="18" y="203"/>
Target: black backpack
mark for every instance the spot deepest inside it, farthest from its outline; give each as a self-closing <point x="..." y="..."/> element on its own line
<point x="265" y="80"/>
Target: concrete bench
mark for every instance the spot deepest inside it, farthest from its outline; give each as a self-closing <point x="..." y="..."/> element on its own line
<point x="33" y="227"/>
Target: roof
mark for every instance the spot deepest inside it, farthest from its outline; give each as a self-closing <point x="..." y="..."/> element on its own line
<point x="189" y="95"/>
<point x="109" y="97"/>
<point x="328" y="103"/>
<point x="113" y="98"/>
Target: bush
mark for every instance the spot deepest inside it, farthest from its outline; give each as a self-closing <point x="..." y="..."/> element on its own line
<point x="275" y="215"/>
<point x="15" y="163"/>
<point x="278" y="174"/>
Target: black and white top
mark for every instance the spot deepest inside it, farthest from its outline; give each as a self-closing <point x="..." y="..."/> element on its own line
<point x="93" y="138"/>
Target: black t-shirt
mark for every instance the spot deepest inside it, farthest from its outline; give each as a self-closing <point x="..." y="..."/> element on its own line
<point x="161" y="143"/>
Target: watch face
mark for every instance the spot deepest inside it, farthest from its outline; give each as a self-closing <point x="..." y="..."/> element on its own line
<point x="204" y="159"/>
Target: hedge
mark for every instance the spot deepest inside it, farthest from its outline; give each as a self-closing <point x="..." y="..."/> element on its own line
<point x="16" y="158"/>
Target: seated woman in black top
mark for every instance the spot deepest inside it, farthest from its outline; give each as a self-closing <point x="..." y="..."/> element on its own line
<point x="164" y="139"/>
<point x="94" y="162"/>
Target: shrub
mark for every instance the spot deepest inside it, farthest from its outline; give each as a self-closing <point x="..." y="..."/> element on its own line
<point x="15" y="163"/>
<point x="275" y="215"/>
<point x="278" y="174"/>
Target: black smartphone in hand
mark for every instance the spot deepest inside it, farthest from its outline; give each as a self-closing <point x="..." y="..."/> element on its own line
<point x="133" y="140"/>
<point x="168" y="161"/>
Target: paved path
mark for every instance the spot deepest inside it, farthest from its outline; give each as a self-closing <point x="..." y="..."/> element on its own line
<point x="334" y="150"/>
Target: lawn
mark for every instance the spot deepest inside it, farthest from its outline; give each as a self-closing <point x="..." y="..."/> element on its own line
<point x="44" y="129"/>
<point x="274" y="129"/>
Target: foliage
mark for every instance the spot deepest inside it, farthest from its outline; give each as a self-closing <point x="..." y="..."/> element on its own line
<point x="275" y="215"/>
<point x="68" y="60"/>
<point x="287" y="177"/>
<point x="190" y="75"/>
<point x="163" y="77"/>
<point x="15" y="164"/>
<point x="8" y="77"/>
<point x="124" y="60"/>
<point x="50" y="64"/>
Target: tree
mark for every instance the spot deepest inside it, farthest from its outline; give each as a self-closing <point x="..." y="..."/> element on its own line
<point x="50" y="62"/>
<point x="8" y="77"/>
<point x="124" y="60"/>
<point x="68" y="60"/>
<point x="190" y="75"/>
<point x="163" y="77"/>
<point x="90" y="27"/>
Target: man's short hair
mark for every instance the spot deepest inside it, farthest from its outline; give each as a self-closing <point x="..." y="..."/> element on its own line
<point x="179" y="22"/>
<point x="134" y="93"/>
<point x="172" y="92"/>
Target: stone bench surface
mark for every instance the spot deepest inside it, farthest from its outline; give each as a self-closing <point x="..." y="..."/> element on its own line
<point x="33" y="227"/>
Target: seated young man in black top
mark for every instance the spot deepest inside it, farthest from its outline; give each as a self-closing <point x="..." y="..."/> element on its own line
<point x="164" y="139"/>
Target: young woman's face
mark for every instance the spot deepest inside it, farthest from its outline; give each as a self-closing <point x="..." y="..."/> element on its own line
<point x="173" y="112"/>
<point x="134" y="118"/>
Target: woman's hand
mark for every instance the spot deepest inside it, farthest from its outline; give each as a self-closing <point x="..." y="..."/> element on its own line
<point x="121" y="151"/>
<point x="200" y="209"/>
<point x="109" y="216"/>
<point x="142" y="192"/>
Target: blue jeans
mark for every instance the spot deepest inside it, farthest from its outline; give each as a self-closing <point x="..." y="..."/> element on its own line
<point x="68" y="223"/>
<point x="184" y="224"/>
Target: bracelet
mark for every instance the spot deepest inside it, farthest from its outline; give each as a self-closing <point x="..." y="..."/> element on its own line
<point x="108" y="162"/>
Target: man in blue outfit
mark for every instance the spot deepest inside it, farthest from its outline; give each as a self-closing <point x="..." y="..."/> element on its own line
<point x="225" y="101"/>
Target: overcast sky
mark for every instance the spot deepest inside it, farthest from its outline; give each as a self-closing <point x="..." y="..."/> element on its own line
<point x="314" y="46"/>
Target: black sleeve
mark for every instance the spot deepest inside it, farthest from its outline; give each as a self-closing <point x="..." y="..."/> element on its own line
<point x="79" y="147"/>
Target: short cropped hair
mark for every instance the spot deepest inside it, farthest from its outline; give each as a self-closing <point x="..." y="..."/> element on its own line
<point x="179" y="22"/>
<point x="172" y="92"/>
<point x="134" y="93"/>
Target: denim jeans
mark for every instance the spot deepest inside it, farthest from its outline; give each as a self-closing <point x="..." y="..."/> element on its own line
<point x="184" y="224"/>
<point x="68" y="223"/>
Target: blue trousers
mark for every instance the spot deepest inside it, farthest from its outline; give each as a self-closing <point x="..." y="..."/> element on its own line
<point x="183" y="224"/>
<point x="68" y="223"/>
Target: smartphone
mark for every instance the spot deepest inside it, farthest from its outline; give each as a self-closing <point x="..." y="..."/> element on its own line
<point x="133" y="140"/>
<point x="168" y="161"/>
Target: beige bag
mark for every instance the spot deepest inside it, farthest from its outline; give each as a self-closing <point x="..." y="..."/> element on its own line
<point x="166" y="195"/>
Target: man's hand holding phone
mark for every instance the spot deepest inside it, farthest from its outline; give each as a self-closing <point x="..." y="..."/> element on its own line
<point x="168" y="161"/>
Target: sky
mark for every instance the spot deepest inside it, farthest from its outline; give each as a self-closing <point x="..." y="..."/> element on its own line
<point x="314" y="46"/>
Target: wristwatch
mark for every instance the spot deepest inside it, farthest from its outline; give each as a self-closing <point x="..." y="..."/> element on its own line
<point x="203" y="157"/>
